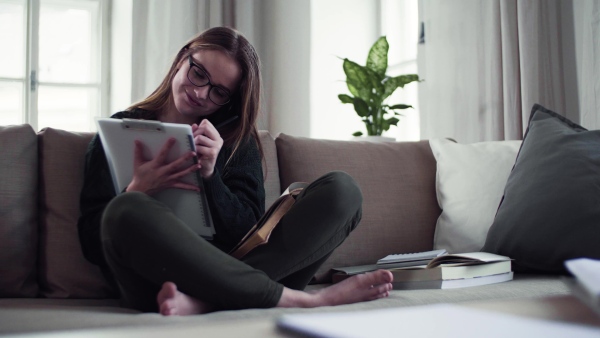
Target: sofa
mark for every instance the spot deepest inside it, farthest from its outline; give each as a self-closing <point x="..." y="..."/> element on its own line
<point x="46" y="285"/>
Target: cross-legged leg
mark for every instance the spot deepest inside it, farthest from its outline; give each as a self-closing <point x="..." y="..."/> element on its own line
<point x="154" y="256"/>
<point x="146" y="245"/>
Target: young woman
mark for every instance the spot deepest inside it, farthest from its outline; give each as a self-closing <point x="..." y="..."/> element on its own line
<point x="156" y="261"/>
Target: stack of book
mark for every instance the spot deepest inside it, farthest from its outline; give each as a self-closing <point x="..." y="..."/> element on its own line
<point x="437" y="270"/>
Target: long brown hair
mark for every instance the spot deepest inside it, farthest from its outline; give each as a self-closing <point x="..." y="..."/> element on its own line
<point x="246" y="100"/>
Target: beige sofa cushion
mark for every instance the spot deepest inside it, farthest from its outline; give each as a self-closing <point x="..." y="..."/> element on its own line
<point x="270" y="167"/>
<point x="397" y="180"/>
<point x="64" y="272"/>
<point x="18" y="211"/>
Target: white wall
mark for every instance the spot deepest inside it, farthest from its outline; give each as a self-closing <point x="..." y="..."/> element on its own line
<point x="284" y="49"/>
<point x="120" y="58"/>
<point x="340" y="29"/>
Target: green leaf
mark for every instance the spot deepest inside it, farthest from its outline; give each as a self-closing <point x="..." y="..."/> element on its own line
<point x="399" y="106"/>
<point x="358" y="133"/>
<point x="345" y="98"/>
<point x="376" y="83"/>
<point x="361" y="107"/>
<point x="385" y="125"/>
<point x="378" y="56"/>
<point x="393" y="121"/>
<point x="357" y="79"/>
<point x="392" y="83"/>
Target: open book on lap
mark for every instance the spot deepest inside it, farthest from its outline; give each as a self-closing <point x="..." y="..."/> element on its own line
<point x="259" y="234"/>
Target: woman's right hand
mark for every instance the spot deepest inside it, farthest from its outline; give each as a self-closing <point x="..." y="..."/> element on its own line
<point x="156" y="175"/>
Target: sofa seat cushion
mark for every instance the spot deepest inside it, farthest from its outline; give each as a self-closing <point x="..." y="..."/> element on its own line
<point x="36" y="315"/>
<point x="397" y="180"/>
<point x="18" y="211"/>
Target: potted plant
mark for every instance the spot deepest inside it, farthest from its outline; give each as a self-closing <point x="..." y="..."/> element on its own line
<point x="370" y="87"/>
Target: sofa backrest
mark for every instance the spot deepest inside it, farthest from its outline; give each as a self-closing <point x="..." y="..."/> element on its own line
<point x="63" y="271"/>
<point x="397" y="180"/>
<point x="270" y="168"/>
<point x="18" y="211"/>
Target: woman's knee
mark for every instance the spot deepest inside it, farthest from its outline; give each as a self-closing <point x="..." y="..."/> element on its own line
<point x="342" y="184"/>
<point x="341" y="191"/>
<point x="122" y="213"/>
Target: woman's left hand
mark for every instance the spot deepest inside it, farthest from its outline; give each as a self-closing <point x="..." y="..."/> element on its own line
<point x="208" y="144"/>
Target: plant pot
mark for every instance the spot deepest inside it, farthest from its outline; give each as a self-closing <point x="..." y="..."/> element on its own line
<point x="376" y="139"/>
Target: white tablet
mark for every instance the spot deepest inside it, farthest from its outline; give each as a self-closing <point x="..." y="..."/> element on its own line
<point x="118" y="138"/>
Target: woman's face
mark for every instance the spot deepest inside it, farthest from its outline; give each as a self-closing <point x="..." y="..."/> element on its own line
<point x="208" y="66"/>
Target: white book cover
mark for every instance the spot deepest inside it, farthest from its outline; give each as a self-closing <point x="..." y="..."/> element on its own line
<point x="439" y="321"/>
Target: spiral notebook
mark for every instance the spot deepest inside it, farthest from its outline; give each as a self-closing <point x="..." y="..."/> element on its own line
<point x="118" y="138"/>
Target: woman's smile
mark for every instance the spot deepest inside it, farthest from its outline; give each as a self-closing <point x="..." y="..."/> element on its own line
<point x="192" y="100"/>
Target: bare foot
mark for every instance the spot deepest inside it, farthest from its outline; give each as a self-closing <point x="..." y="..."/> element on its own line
<point x="172" y="302"/>
<point x="360" y="288"/>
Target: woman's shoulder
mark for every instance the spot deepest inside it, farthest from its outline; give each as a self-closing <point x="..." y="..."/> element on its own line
<point x="249" y="145"/>
<point x="135" y="113"/>
<point x="246" y="151"/>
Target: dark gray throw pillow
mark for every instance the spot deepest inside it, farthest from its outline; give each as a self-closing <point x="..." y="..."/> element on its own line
<point x="550" y="211"/>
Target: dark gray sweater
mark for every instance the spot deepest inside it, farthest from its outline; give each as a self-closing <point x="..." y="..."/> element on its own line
<point x="235" y="194"/>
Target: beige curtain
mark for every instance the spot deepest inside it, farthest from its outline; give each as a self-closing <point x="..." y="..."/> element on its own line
<point x="587" y="43"/>
<point x="485" y="63"/>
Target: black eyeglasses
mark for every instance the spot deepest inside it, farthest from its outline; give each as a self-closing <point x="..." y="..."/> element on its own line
<point x="199" y="78"/>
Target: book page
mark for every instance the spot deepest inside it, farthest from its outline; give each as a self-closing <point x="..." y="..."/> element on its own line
<point x="467" y="259"/>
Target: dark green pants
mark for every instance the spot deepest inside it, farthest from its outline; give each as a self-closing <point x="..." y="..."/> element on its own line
<point x="146" y="244"/>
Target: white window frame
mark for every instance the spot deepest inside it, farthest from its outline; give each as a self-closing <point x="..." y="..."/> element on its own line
<point x="408" y="128"/>
<point x="31" y="83"/>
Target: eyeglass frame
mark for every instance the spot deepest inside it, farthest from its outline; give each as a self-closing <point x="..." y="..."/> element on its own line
<point x="192" y="64"/>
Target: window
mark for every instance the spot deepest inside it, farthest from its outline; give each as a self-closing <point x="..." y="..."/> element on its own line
<point x="55" y="75"/>
<point x="400" y="23"/>
<point x="347" y="29"/>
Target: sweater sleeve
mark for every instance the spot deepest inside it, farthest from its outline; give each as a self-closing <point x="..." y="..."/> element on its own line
<point x="235" y="193"/>
<point x="97" y="192"/>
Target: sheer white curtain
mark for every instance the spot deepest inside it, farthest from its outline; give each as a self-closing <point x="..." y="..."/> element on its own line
<point x="485" y="63"/>
<point x="587" y="43"/>
<point x="147" y="34"/>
